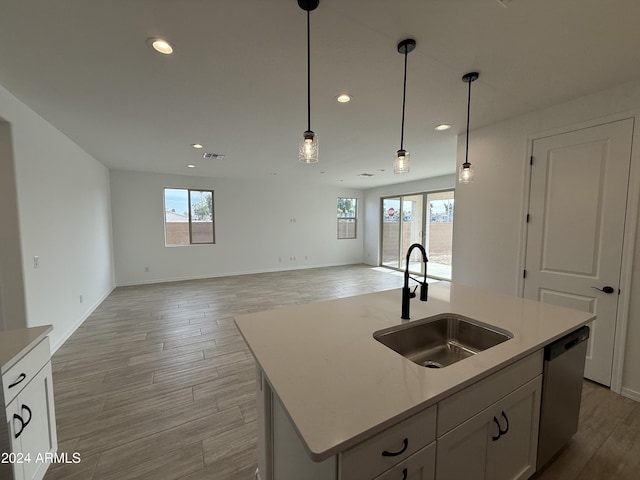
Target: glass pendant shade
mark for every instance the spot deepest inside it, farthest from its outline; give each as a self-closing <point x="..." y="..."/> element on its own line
<point x="401" y="162"/>
<point x="308" y="151"/>
<point x="466" y="173"/>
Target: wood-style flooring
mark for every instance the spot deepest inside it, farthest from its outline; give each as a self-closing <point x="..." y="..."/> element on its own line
<point x="158" y="384"/>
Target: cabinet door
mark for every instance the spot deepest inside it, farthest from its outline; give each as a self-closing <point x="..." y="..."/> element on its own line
<point x="14" y="443"/>
<point x="498" y="443"/>
<point x="419" y="466"/>
<point x="512" y="456"/>
<point x="33" y="433"/>
<point x="462" y="452"/>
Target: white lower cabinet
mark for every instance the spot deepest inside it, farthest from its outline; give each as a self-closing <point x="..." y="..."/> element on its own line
<point x="32" y="426"/>
<point x="486" y="431"/>
<point x="499" y="443"/>
<point x="28" y="440"/>
<point x="419" y="466"/>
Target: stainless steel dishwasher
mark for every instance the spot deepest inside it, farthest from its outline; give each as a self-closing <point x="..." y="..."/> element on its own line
<point x="561" y="392"/>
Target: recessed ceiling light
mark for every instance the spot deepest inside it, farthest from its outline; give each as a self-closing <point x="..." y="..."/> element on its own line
<point x="443" y="126"/>
<point x="190" y="165"/>
<point x="196" y="145"/>
<point x="160" y="45"/>
<point x="343" y="98"/>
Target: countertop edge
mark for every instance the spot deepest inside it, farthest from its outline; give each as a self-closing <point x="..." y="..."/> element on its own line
<point x="389" y="422"/>
<point x="38" y="335"/>
<point x="341" y="445"/>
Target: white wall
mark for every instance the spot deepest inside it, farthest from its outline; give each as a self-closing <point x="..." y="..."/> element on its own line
<point x="489" y="212"/>
<point x="372" y="198"/>
<point x="259" y="226"/>
<point x="64" y="218"/>
<point x="13" y="312"/>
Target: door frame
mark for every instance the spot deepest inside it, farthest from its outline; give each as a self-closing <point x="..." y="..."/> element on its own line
<point x="401" y="254"/>
<point x="630" y="225"/>
<point x="425" y="213"/>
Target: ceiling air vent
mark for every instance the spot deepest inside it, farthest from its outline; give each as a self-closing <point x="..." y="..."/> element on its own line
<point x="213" y="156"/>
<point x="366" y="175"/>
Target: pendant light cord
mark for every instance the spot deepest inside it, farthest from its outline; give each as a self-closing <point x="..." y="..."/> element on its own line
<point x="466" y="153"/>
<point x="404" y="96"/>
<point x="308" y="72"/>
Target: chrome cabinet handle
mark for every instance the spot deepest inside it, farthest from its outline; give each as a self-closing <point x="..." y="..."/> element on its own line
<point x="20" y="379"/>
<point x="405" y="444"/>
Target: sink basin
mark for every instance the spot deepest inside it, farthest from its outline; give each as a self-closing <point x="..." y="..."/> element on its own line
<point x="438" y="341"/>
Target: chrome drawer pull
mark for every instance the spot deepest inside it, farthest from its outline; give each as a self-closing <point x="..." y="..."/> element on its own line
<point x="405" y="444"/>
<point x="21" y="377"/>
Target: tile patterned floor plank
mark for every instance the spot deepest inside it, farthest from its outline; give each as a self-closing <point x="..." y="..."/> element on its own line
<point x="158" y="383"/>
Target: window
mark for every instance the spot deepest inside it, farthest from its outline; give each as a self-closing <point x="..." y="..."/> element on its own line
<point x="188" y="217"/>
<point x="347" y="217"/>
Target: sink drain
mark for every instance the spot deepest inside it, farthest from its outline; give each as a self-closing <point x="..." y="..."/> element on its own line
<point x="432" y="364"/>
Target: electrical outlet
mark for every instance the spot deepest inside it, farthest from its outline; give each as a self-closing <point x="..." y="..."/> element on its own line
<point x="81" y="298"/>
<point x="146" y="269"/>
<point x="36" y="262"/>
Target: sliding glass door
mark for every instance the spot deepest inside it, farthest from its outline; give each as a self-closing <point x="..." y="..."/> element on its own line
<point x="425" y="218"/>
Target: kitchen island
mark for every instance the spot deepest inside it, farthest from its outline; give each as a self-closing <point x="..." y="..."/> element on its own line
<point x="327" y="388"/>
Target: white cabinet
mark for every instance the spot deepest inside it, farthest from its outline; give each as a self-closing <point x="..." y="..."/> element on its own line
<point x="389" y="448"/>
<point x="405" y="451"/>
<point x="32" y="430"/>
<point x="28" y="434"/>
<point x="419" y="466"/>
<point x="499" y="443"/>
<point x="486" y="431"/>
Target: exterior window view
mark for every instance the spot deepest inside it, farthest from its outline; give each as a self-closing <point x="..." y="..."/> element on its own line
<point x="425" y="218"/>
<point x="188" y="217"/>
<point x="347" y="217"/>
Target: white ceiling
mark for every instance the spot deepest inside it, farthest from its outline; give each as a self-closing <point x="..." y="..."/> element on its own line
<point x="237" y="81"/>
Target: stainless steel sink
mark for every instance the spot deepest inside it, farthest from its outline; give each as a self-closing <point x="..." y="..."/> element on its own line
<point x="438" y="341"/>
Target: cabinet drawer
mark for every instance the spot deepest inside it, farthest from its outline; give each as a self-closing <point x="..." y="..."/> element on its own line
<point x="457" y="408"/>
<point x="386" y="449"/>
<point x="18" y="376"/>
<point x="419" y="466"/>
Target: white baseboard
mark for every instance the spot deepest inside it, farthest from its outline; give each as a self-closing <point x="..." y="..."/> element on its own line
<point x="65" y="337"/>
<point x="632" y="394"/>
<point x="230" y="274"/>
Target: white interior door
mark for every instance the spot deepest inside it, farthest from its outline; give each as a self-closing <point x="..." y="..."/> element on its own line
<point x="577" y="208"/>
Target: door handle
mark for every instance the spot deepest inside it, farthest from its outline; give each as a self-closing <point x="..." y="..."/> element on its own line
<point x="606" y="289"/>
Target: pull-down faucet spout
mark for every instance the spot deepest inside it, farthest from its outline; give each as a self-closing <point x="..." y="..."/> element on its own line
<point x="407" y="294"/>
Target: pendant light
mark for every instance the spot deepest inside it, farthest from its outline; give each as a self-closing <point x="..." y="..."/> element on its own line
<point x="401" y="160"/>
<point x="308" y="151"/>
<point x="466" y="172"/>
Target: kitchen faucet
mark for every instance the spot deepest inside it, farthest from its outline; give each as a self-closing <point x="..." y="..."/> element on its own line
<point x="407" y="294"/>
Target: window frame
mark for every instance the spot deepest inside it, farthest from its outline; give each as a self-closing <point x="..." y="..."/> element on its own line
<point x="190" y="221"/>
<point x="354" y="218"/>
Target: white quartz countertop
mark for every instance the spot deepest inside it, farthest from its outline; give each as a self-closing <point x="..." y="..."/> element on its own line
<point x="339" y="385"/>
<point x="15" y="343"/>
